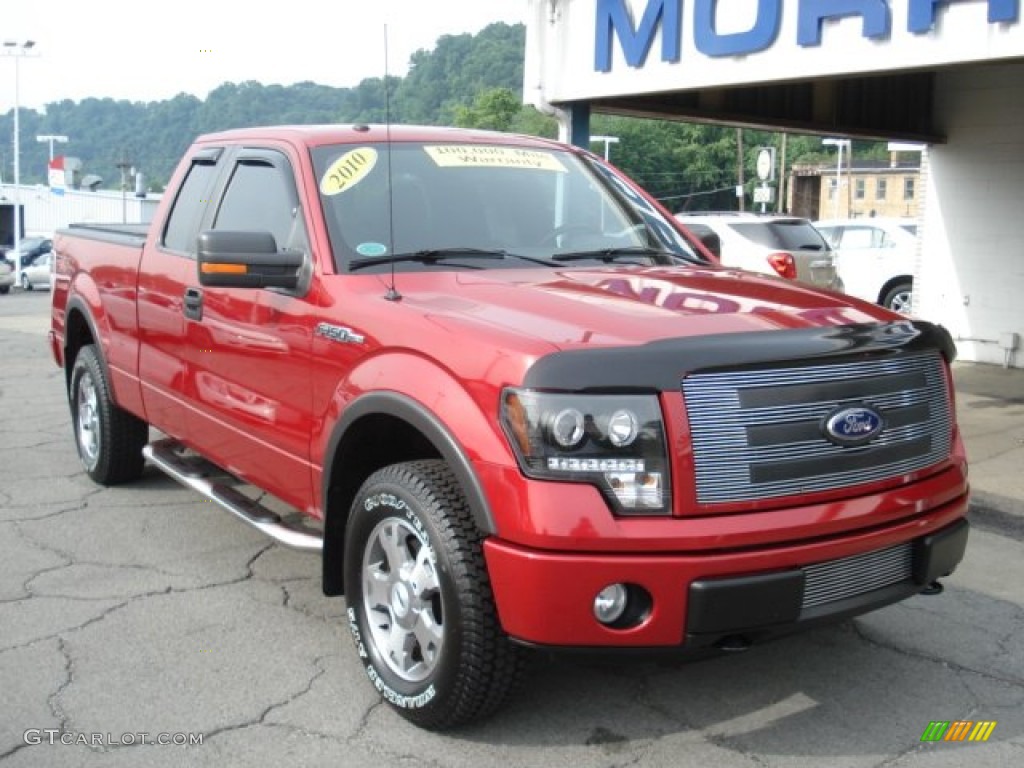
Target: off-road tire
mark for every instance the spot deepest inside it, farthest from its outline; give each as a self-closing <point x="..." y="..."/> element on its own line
<point x="475" y="667"/>
<point x="108" y="438"/>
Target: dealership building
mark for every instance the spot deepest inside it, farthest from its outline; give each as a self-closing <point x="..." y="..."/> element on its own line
<point x="948" y="74"/>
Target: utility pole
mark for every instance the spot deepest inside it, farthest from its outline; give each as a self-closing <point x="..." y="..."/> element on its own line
<point x="849" y="179"/>
<point x="780" y="203"/>
<point x="739" y="168"/>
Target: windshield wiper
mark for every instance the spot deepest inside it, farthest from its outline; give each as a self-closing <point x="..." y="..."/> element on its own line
<point x="434" y="255"/>
<point x="609" y="255"/>
<point x="429" y="256"/>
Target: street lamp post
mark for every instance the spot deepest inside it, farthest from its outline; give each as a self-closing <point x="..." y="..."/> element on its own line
<point x="608" y="141"/>
<point x="51" y="139"/>
<point x="838" y="144"/>
<point x="124" y="165"/>
<point x="17" y="50"/>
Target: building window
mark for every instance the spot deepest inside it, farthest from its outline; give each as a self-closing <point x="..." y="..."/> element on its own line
<point x="908" y="189"/>
<point x="880" y="189"/>
<point x="831" y="189"/>
<point x="858" y="189"/>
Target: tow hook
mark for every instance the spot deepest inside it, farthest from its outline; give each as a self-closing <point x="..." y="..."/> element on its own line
<point x="935" y="588"/>
<point x="733" y="644"/>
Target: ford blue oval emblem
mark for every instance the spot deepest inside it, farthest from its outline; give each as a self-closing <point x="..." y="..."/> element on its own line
<point x="853" y="425"/>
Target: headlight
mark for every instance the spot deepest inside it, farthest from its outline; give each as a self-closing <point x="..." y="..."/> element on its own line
<point x="616" y="442"/>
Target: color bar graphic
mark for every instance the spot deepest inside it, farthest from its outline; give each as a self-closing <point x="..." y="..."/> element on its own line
<point x="958" y="730"/>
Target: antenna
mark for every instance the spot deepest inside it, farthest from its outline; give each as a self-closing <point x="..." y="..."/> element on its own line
<point x="392" y="292"/>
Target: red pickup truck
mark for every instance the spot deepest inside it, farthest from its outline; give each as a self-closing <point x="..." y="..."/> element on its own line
<point x="510" y="400"/>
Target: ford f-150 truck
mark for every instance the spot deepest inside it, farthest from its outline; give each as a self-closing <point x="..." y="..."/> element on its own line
<point x="510" y="401"/>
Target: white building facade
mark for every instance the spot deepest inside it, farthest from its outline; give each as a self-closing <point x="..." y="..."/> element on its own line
<point x="946" y="73"/>
<point x="44" y="211"/>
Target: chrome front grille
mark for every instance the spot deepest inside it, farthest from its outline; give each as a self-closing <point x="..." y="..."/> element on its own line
<point x="758" y="434"/>
<point x="839" y="579"/>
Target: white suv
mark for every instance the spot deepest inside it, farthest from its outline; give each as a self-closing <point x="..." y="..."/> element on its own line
<point x="784" y="246"/>
<point x="875" y="257"/>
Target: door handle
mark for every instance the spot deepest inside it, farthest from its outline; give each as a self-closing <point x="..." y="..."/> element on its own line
<point x="193" y="304"/>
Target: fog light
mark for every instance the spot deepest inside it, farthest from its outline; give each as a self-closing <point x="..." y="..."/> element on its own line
<point x="610" y="603"/>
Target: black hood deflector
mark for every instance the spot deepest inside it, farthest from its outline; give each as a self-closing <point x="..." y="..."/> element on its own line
<point x="662" y="365"/>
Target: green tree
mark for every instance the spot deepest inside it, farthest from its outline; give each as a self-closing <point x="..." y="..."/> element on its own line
<point x="495" y="109"/>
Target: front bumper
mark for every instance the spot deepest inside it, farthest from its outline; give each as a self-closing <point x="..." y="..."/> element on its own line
<point x="699" y="600"/>
<point x="753" y="607"/>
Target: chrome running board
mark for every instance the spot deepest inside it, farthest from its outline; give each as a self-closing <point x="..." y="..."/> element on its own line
<point x="195" y="472"/>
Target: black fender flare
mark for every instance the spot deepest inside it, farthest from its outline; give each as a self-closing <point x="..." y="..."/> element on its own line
<point x="402" y="407"/>
<point x="77" y="305"/>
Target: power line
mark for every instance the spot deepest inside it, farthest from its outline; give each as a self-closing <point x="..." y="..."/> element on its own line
<point x="688" y="172"/>
<point x="695" y="194"/>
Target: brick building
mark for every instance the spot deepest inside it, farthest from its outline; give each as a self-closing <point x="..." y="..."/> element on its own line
<point x="890" y="188"/>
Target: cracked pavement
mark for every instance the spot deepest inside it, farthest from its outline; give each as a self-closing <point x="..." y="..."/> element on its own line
<point x="143" y="609"/>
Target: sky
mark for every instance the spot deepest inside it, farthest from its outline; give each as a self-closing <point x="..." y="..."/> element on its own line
<point x="146" y="50"/>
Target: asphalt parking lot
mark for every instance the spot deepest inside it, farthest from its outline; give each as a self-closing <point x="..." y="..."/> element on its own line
<point x="141" y="613"/>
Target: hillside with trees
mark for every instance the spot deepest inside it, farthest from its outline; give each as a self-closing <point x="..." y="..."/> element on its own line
<point x="467" y="80"/>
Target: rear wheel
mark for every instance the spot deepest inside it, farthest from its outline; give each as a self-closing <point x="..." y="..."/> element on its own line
<point x="4" y="289"/>
<point x="109" y="439"/>
<point x="420" y="606"/>
<point x="26" y="284"/>
<point x="899" y="298"/>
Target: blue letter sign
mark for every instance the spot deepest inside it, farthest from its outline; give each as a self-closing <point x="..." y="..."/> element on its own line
<point x="761" y="36"/>
<point x="613" y="19"/>
<point x="922" y="13"/>
<point x="875" y="13"/>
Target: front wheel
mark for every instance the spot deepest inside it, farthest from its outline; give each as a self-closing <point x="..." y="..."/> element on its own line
<point x="26" y="284"/>
<point x="109" y="439"/>
<point x="420" y="606"/>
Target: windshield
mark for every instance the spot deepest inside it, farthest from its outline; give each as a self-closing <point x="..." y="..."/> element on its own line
<point x="475" y="206"/>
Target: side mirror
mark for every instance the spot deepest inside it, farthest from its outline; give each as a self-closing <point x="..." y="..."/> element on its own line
<point x="234" y="259"/>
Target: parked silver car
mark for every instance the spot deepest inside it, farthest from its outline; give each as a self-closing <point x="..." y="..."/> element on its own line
<point x="38" y="274"/>
<point x="784" y="246"/>
<point x="29" y="249"/>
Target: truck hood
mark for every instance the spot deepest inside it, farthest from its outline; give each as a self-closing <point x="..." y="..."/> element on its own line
<point x="574" y="308"/>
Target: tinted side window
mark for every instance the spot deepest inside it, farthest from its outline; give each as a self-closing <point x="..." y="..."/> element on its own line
<point x="787" y="235"/>
<point x="707" y="236"/>
<point x="183" y="221"/>
<point x="258" y="198"/>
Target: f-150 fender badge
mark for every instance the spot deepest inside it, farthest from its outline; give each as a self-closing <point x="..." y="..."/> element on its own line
<point x="853" y="425"/>
<point x="338" y="333"/>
